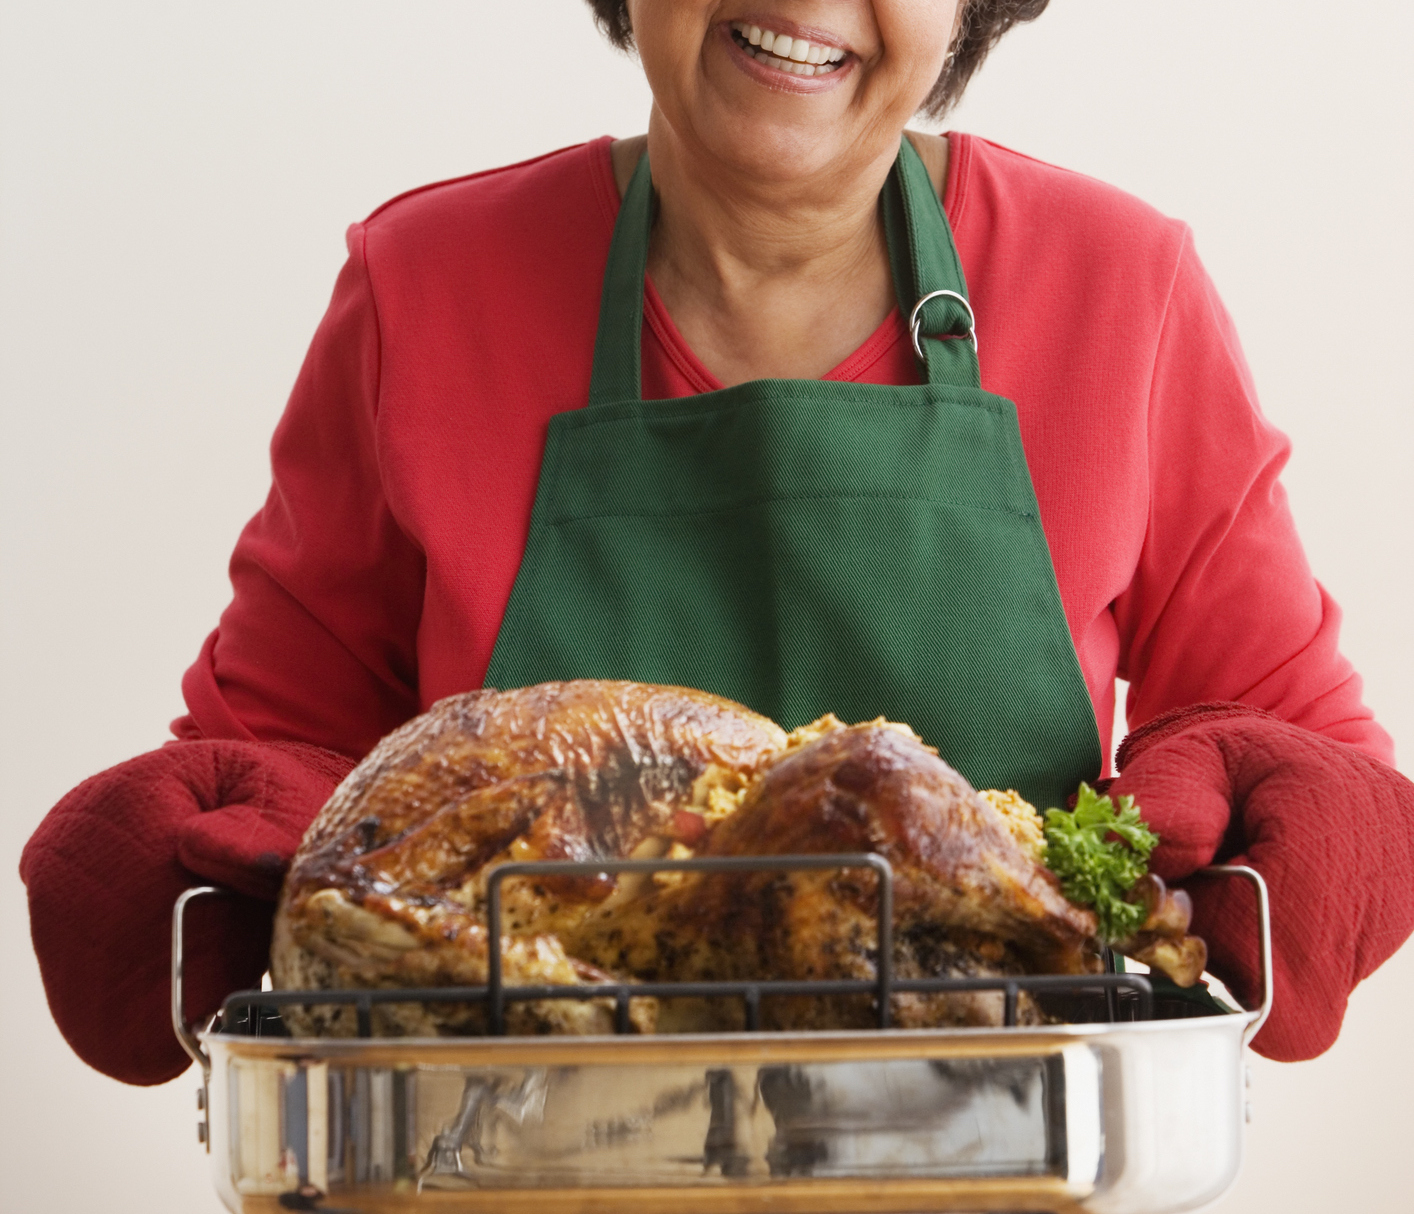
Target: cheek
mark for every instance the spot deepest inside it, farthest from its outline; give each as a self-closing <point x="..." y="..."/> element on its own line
<point x="668" y="36"/>
<point x="670" y="29"/>
<point x="916" y="35"/>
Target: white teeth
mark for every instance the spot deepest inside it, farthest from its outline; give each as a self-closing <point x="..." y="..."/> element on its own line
<point x="790" y="66"/>
<point x="796" y="56"/>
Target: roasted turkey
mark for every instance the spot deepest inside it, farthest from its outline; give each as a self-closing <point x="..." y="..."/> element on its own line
<point x="388" y="887"/>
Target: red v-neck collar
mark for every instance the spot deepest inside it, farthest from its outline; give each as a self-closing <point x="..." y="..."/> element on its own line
<point x="877" y="346"/>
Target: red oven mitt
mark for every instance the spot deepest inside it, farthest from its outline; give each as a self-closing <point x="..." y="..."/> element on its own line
<point x="1330" y="828"/>
<point x="108" y="862"/>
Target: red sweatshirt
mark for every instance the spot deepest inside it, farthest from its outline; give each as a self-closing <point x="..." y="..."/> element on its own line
<point x="374" y="580"/>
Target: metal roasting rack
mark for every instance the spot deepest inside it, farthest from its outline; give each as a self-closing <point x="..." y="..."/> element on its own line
<point x="1135" y="1105"/>
<point x="245" y="1007"/>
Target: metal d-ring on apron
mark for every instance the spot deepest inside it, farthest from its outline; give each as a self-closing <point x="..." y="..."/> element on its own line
<point x="807" y="546"/>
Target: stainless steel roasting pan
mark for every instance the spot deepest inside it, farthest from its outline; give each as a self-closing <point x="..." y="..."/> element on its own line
<point x="1142" y="1117"/>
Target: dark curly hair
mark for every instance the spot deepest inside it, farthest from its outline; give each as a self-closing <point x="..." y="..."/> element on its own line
<point x="982" y="25"/>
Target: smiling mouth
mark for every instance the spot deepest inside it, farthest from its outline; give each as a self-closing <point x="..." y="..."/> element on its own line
<point x="795" y="56"/>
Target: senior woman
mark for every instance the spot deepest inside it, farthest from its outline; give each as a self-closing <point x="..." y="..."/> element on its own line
<point x="781" y="402"/>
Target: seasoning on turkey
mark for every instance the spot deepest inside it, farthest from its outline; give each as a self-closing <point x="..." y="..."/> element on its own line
<point x="388" y="888"/>
<point x="968" y="899"/>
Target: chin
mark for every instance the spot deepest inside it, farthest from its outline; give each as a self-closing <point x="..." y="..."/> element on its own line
<point x="765" y="125"/>
<point x="777" y="130"/>
<point x="768" y="141"/>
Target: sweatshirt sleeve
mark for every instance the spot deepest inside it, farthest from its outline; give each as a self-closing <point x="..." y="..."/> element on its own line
<point x="1223" y="604"/>
<point x="319" y="643"/>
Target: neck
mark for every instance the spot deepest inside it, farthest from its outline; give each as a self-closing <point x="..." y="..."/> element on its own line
<point x="735" y="230"/>
<point x="768" y="278"/>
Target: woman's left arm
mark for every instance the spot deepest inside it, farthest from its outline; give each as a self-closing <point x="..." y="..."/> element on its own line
<point x="1253" y="744"/>
<point x="1223" y="604"/>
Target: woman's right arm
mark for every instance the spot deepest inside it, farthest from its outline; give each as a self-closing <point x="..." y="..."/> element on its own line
<point x="314" y="660"/>
<point x="319" y="643"/>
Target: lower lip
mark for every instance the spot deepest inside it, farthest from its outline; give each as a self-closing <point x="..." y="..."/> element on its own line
<point x="783" y="81"/>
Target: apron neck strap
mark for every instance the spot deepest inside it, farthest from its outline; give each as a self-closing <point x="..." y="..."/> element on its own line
<point x="928" y="278"/>
<point x="616" y="374"/>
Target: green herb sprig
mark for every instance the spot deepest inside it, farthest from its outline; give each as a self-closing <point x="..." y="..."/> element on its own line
<point x="1095" y="869"/>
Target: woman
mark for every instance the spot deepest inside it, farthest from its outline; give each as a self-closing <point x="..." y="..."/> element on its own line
<point x="886" y="532"/>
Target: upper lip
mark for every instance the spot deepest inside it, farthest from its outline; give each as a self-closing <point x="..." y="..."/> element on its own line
<point x="793" y="29"/>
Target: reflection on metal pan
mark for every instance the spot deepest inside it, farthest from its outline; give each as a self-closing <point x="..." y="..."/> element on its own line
<point x="1112" y="1118"/>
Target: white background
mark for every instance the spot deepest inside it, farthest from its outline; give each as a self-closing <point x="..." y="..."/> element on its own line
<point x="174" y="183"/>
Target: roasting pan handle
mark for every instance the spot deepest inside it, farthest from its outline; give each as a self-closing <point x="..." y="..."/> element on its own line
<point x="1264" y="934"/>
<point x="190" y="1041"/>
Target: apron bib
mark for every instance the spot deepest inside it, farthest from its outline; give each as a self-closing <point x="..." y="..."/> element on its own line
<point x="805" y="546"/>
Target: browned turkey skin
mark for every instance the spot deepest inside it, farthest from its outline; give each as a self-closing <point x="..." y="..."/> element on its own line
<point x="388" y="887"/>
<point x="967" y="899"/>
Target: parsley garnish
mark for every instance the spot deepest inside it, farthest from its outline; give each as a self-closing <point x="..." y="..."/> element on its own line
<point x="1095" y="869"/>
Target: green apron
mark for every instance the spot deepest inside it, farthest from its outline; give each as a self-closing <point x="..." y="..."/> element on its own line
<point x="807" y="546"/>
